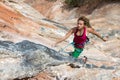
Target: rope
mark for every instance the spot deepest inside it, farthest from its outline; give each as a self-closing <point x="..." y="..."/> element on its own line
<point x="62" y="49"/>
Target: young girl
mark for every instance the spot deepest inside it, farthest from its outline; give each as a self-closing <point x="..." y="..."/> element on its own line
<point x="83" y="27"/>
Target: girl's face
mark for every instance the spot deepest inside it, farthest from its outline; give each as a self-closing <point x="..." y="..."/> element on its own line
<point x="80" y="24"/>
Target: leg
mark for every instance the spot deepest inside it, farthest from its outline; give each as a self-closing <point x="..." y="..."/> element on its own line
<point x="77" y="52"/>
<point x="84" y="59"/>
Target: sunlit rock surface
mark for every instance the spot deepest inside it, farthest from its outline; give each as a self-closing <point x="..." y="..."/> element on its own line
<point x="26" y="36"/>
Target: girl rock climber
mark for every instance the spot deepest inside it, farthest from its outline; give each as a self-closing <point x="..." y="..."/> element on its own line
<point x="83" y="27"/>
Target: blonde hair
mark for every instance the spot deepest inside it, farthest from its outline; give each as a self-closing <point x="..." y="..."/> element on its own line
<point x="86" y="21"/>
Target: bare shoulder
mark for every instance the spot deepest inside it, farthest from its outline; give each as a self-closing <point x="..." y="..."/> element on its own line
<point x="74" y="29"/>
<point x="90" y="29"/>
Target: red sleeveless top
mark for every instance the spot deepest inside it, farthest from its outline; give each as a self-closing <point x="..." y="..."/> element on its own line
<point x="79" y="41"/>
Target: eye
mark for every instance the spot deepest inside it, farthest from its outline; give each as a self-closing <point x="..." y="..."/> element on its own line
<point x="79" y="23"/>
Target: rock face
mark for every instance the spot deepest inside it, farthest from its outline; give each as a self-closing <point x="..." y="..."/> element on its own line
<point x="25" y="10"/>
<point x="14" y="23"/>
<point x="26" y="35"/>
<point x="25" y="59"/>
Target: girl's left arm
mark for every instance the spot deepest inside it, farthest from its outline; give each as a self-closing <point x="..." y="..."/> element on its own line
<point x="91" y="30"/>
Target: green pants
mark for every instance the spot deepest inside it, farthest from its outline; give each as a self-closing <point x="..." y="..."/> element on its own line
<point x="77" y="52"/>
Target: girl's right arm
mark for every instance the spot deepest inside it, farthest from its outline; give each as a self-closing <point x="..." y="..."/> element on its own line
<point x="66" y="36"/>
